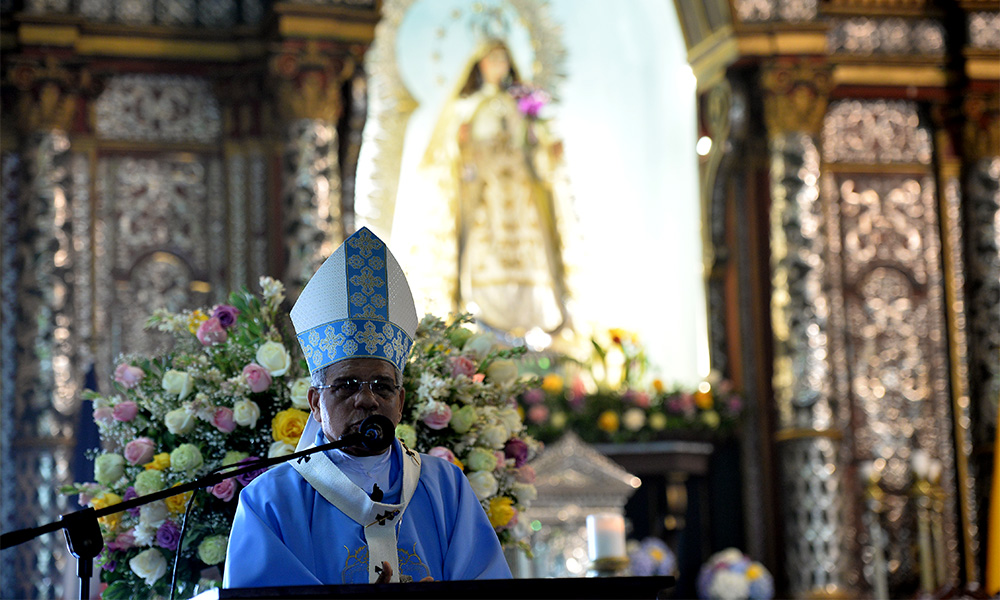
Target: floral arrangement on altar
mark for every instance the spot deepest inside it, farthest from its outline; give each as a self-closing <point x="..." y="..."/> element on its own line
<point x="609" y="401"/>
<point x="730" y="574"/>
<point x="234" y="388"/>
<point x="461" y="405"/>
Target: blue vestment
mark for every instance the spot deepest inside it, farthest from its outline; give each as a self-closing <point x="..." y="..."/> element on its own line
<point x="286" y="533"/>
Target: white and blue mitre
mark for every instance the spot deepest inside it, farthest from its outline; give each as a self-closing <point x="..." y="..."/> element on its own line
<point x="357" y="305"/>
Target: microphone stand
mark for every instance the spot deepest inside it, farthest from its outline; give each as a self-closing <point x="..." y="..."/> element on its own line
<point x="83" y="533"/>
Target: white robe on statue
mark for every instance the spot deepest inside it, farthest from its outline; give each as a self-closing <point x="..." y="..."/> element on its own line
<point x="287" y="533"/>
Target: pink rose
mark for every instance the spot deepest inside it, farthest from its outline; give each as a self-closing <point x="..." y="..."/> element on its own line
<point x="211" y="332"/>
<point x="224" y="490"/>
<point x="442" y="452"/>
<point x="103" y="414"/>
<point x="525" y="474"/>
<point x="140" y="451"/>
<point x="128" y="375"/>
<point x="223" y="419"/>
<point x="124" y="541"/>
<point x="439" y="417"/>
<point x="641" y="400"/>
<point x="538" y="414"/>
<point x="461" y="365"/>
<point x="257" y="377"/>
<point x="125" y="411"/>
<point x="226" y="315"/>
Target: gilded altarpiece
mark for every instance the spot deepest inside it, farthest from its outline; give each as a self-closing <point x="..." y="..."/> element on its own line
<point x="886" y="286"/>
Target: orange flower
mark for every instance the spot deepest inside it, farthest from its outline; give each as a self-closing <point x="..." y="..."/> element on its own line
<point x="658" y="386"/>
<point x="608" y="421"/>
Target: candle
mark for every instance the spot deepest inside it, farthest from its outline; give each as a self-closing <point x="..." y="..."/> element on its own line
<point x="606" y="536"/>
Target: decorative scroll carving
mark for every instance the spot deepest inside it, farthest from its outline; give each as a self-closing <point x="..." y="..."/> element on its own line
<point x="875" y="132"/>
<point x="311" y="196"/>
<point x="896" y="352"/>
<point x="814" y="515"/>
<point x="215" y="14"/>
<point x="867" y="36"/>
<point x="799" y="304"/>
<point x="982" y="126"/>
<point x="983" y="238"/>
<point x="984" y="30"/>
<point x="237" y="167"/>
<point x="258" y="213"/>
<point x="45" y="380"/>
<point x="158" y="108"/>
<point x="156" y="242"/>
<point x="750" y="11"/>
<point x="310" y="77"/>
<point x="10" y="190"/>
<point x="796" y="98"/>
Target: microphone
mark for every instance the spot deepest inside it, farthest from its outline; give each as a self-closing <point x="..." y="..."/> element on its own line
<point x="376" y="433"/>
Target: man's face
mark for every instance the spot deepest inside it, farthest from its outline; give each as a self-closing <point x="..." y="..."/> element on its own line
<point x="339" y="414"/>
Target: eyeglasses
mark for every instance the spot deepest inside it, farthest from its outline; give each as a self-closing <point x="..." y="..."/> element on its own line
<point x="343" y="389"/>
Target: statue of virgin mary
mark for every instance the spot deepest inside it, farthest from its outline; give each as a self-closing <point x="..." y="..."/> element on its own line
<point x="498" y="168"/>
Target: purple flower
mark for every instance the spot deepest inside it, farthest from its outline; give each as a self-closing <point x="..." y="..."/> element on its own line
<point x="226" y="315"/>
<point x="168" y="535"/>
<point x="534" y="396"/>
<point x="110" y="565"/>
<point x="246" y="478"/>
<point x="516" y="449"/>
<point x="129" y="494"/>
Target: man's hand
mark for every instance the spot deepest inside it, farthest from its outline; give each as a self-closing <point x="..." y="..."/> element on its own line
<point x="386" y="575"/>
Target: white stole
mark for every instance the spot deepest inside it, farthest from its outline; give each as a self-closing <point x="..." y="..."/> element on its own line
<point x="379" y="521"/>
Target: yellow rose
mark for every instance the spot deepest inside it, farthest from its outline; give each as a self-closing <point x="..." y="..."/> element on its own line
<point x="160" y="462"/>
<point x="176" y="504"/>
<point x="552" y="383"/>
<point x="274" y="357"/>
<point x="288" y="424"/>
<point x="195" y="321"/>
<point x="501" y="511"/>
<point x="608" y="421"/>
<point x="658" y="385"/>
<point x="103" y="501"/>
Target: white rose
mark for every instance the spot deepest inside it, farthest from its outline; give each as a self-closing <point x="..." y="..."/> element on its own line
<point x="153" y="514"/>
<point x="179" y="421"/>
<point x="502" y="372"/>
<point x="144" y="535"/>
<point x="480" y="345"/>
<point x="246" y="413"/>
<point x="484" y="484"/>
<point x="300" y="393"/>
<point x="510" y="419"/>
<point x="274" y="357"/>
<point x="280" y="449"/>
<point x="494" y="436"/>
<point x="149" y="565"/>
<point x="178" y="382"/>
<point x="634" y="418"/>
<point x="524" y="492"/>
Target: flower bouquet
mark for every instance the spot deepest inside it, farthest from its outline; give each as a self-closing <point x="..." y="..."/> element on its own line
<point x="228" y="392"/>
<point x="232" y="389"/>
<point x="731" y="575"/>
<point x="461" y="405"/>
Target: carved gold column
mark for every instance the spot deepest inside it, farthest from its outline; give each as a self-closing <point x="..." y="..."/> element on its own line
<point x="810" y="426"/>
<point x="309" y="75"/>
<point x="42" y="393"/>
